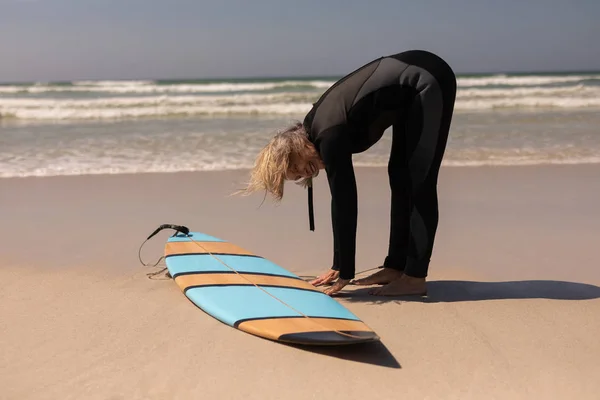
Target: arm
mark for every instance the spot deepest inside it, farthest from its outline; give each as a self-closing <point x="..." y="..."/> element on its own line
<point x="337" y="156"/>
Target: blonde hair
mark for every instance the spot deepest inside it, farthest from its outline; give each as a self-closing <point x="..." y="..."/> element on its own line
<point x="273" y="161"/>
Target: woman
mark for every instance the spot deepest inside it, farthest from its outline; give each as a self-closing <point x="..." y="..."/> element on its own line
<point x="413" y="92"/>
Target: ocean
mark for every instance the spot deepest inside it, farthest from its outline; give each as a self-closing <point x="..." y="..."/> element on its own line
<point x="115" y="127"/>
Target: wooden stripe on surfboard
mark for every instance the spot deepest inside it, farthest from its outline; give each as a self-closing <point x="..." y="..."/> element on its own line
<point x="176" y="248"/>
<point x="273" y="328"/>
<point x="219" y="278"/>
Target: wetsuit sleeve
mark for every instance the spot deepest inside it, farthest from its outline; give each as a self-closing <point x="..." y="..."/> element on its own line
<point x="336" y="154"/>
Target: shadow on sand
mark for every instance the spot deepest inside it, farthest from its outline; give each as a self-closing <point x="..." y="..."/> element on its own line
<point x="449" y="291"/>
<point x="374" y="353"/>
<point x="453" y="291"/>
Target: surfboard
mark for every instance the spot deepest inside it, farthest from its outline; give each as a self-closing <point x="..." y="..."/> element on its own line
<point x="252" y="294"/>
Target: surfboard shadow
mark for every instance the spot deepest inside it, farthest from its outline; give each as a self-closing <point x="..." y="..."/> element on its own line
<point x="375" y="353"/>
<point x="448" y="291"/>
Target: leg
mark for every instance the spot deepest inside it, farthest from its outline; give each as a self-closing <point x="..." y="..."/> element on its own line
<point x="401" y="202"/>
<point x="428" y="125"/>
<point x="399" y="178"/>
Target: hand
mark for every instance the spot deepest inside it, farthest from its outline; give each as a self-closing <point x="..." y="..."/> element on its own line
<point x="337" y="286"/>
<point x="326" y="278"/>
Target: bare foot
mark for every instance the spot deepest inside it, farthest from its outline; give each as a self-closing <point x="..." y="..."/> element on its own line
<point x="386" y="275"/>
<point x="402" y="286"/>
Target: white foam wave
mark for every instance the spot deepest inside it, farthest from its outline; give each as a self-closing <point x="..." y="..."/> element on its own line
<point x="575" y="90"/>
<point x="149" y="88"/>
<point x="208" y="152"/>
<point x="508" y="162"/>
<point x="154" y="106"/>
<point x="528" y="103"/>
<point x="112" y="83"/>
<point x="141" y="99"/>
<point x="530" y="80"/>
<point x="152" y="101"/>
<point x="122" y="108"/>
<point x="109" y="168"/>
<point x="78" y="169"/>
<point x="157" y="111"/>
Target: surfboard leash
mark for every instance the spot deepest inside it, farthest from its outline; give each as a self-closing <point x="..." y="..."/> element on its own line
<point x="177" y="228"/>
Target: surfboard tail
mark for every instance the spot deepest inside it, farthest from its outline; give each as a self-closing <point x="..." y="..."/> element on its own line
<point x="310" y="331"/>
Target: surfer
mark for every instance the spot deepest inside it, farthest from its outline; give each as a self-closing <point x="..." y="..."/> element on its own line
<point x="413" y="92"/>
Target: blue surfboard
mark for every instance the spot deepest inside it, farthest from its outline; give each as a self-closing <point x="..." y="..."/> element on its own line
<point x="252" y="294"/>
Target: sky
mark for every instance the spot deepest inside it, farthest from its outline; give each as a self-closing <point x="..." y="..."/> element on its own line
<point x="50" y="40"/>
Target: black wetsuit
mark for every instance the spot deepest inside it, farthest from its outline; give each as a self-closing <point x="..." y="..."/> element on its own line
<point x="414" y="93"/>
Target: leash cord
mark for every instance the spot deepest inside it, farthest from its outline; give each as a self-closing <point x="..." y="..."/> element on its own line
<point x="150" y="275"/>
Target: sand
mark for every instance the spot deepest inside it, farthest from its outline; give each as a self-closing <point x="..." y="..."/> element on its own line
<point x="512" y="312"/>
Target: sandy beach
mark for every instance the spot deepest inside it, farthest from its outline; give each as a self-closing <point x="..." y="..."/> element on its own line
<point x="512" y="311"/>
